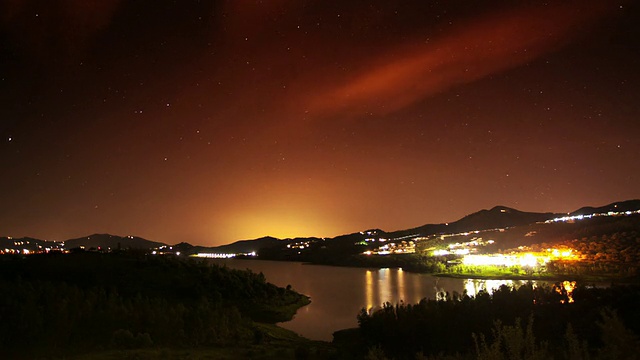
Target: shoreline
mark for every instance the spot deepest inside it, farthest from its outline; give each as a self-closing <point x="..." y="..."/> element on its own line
<point x="594" y="278"/>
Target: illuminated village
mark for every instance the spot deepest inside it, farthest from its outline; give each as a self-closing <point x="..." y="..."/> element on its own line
<point x="476" y="252"/>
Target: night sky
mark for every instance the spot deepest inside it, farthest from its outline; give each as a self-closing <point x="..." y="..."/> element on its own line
<point x="211" y="122"/>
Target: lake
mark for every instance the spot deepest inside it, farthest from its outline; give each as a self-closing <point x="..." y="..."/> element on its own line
<point x="339" y="293"/>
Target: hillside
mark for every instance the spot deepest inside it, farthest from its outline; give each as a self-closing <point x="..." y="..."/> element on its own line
<point x="9" y="244"/>
<point x="56" y="306"/>
<point x="337" y="250"/>
<point x="247" y="246"/>
<point x="112" y="241"/>
<point x="495" y="218"/>
<point x="332" y="250"/>
<point x="629" y="205"/>
<point x="610" y="235"/>
<point x="340" y="248"/>
<point x="499" y="217"/>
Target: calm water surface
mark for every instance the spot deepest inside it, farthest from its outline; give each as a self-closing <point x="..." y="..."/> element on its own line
<point x="339" y="293"/>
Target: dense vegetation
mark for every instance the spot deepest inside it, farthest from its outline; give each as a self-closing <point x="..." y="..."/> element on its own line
<point x="610" y="248"/>
<point x="68" y="304"/>
<point x="527" y="323"/>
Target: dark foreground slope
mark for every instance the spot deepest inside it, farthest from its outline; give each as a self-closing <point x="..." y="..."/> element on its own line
<point x="530" y="322"/>
<point x="65" y="305"/>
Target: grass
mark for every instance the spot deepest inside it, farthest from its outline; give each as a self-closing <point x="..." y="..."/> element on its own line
<point x="273" y="342"/>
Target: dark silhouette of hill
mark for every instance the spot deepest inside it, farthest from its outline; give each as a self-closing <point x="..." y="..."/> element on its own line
<point x="622" y="206"/>
<point x="28" y="243"/>
<point x="498" y="217"/>
<point x="247" y="246"/>
<point x="495" y="218"/>
<point x="6" y="241"/>
<point x="343" y="249"/>
<point x="186" y="248"/>
<point x="56" y="306"/>
<point x="504" y="217"/>
<point x="106" y="241"/>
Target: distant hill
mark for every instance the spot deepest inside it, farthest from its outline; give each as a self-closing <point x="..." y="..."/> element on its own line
<point x="495" y="218"/>
<point x="247" y="246"/>
<point x="504" y="217"/>
<point x="111" y="241"/>
<point x="498" y="217"/>
<point x="185" y="248"/>
<point x="9" y="242"/>
<point x="27" y="243"/>
<point x="622" y="206"/>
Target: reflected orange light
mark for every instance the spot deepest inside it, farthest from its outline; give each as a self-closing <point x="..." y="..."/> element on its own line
<point x="369" y="288"/>
<point x="384" y="285"/>
<point x="567" y="286"/>
<point x="401" y="293"/>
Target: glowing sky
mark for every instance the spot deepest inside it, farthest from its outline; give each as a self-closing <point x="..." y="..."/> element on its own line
<point x="212" y="121"/>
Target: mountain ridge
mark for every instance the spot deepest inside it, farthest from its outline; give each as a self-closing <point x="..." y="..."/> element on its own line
<point x="111" y="241"/>
<point x="620" y="206"/>
<point x="496" y="217"/>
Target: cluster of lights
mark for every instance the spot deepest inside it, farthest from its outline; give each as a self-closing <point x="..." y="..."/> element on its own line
<point x="299" y="245"/>
<point x="372" y="233"/>
<point x="474" y="286"/>
<point x="221" y="255"/>
<point x="214" y="255"/>
<point x="443" y="252"/>
<point x="374" y="240"/>
<point x="164" y="250"/>
<point x="154" y="252"/>
<point x="16" y="251"/>
<point x="404" y="247"/>
<point x="564" y="254"/>
<point x="525" y="260"/>
<point x="589" y="216"/>
<point x="20" y="248"/>
<point x="463" y="248"/>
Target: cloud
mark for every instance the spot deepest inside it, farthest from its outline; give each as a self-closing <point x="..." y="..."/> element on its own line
<point x="400" y="77"/>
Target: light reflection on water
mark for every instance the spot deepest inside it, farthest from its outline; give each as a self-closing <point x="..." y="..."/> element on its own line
<point x="339" y="293"/>
<point x="401" y="293"/>
<point x="474" y="286"/>
<point x="390" y="285"/>
<point x="368" y="288"/>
